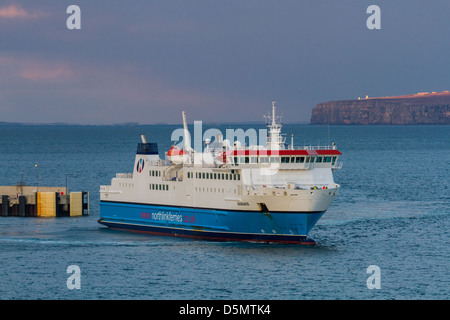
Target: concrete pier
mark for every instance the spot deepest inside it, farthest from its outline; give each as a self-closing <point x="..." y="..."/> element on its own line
<point x="29" y="201"/>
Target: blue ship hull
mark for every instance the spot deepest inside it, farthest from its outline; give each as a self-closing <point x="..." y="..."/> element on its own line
<point x="217" y="225"/>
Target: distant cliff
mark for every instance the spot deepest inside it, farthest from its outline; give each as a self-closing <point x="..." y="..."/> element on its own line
<point x="421" y="108"/>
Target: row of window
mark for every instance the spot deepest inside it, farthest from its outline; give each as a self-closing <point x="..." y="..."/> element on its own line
<point x="316" y="159"/>
<point x="127" y="185"/>
<point x="215" y="175"/>
<point x="154" y="173"/>
<point x="165" y="187"/>
<point x="216" y="190"/>
<point x="155" y="186"/>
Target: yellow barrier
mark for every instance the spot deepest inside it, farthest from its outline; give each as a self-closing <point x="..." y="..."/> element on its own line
<point x="76" y="204"/>
<point x="46" y="204"/>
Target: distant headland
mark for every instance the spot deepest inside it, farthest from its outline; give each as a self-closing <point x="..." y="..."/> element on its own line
<point x="421" y="108"/>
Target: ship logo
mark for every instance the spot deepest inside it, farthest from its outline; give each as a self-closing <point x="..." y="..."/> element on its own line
<point x="140" y="165"/>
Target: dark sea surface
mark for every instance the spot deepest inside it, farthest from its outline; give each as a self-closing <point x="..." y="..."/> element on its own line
<point x="393" y="211"/>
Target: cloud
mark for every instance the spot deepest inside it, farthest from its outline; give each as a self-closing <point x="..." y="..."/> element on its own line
<point x="16" y="12"/>
<point x="46" y="73"/>
<point x="34" y="69"/>
<point x="68" y="90"/>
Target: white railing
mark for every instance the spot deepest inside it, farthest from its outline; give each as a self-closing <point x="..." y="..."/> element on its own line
<point x="124" y="175"/>
<point x="337" y="165"/>
<point x="317" y="148"/>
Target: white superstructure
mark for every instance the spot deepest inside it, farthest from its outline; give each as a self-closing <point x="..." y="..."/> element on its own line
<point x="230" y="176"/>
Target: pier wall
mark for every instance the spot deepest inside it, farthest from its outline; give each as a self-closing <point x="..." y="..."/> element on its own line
<point x="24" y="201"/>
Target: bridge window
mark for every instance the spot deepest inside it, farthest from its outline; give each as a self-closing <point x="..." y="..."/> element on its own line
<point x="333" y="161"/>
<point x="244" y="160"/>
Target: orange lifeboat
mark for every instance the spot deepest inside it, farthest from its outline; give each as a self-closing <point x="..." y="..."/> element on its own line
<point x="175" y="155"/>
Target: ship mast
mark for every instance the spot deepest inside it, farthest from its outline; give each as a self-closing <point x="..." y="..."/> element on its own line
<point x="187" y="150"/>
<point x="275" y="140"/>
<point x="274" y="123"/>
<point x="187" y="136"/>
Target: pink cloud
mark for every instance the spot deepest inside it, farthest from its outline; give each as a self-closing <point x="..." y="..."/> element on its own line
<point x="35" y="70"/>
<point x="13" y="11"/>
<point x="46" y="73"/>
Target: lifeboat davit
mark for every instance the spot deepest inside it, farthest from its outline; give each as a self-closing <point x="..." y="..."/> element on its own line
<point x="222" y="157"/>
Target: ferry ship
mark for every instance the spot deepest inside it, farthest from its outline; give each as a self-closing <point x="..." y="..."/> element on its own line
<point x="225" y="192"/>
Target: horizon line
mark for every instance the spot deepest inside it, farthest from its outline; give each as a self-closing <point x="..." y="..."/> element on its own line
<point x="125" y="124"/>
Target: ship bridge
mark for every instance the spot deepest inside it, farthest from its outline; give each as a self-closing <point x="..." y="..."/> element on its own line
<point x="306" y="158"/>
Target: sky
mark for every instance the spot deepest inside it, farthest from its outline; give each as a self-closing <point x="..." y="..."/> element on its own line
<point x="146" y="61"/>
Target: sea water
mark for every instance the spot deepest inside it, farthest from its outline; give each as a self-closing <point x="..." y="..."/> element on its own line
<point x="393" y="212"/>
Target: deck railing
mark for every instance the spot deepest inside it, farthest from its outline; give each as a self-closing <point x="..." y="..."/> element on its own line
<point x="124" y="175"/>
